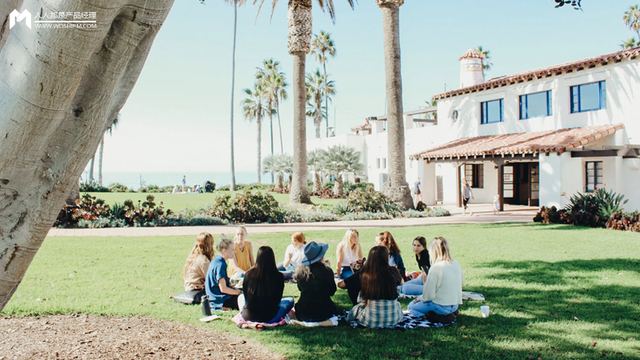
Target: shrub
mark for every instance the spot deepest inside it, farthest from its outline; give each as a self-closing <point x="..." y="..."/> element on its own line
<point x="609" y="201"/>
<point x="432" y="212"/>
<point x="584" y="210"/>
<point x="247" y="207"/>
<point x="101" y="223"/>
<point x="93" y="187"/>
<point x="552" y="216"/>
<point x="117" y="187"/>
<point x="628" y="222"/>
<point x="301" y="216"/>
<point x="165" y="189"/>
<point x="366" y="215"/>
<point x="86" y="208"/>
<point x="369" y="200"/>
<point x="349" y="187"/>
<point x="341" y="208"/>
<point x="326" y="193"/>
<point x="144" y="213"/>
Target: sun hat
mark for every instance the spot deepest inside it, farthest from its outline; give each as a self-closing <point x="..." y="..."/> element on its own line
<point x="314" y="252"/>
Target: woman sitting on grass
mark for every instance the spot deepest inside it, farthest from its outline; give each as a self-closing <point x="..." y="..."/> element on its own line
<point x="195" y="269"/>
<point x="262" y="300"/>
<point x="221" y="293"/>
<point x="379" y="307"/>
<point x="415" y="286"/>
<point x="293" y="256"/>
<point x="243" y="259"/>
<point x="443" y="288"/>
<point x="386" y="239"/>
<point x="349" y="251"/>
<point x="316" y="285"/>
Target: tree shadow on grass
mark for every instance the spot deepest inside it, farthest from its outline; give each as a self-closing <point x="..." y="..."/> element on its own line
<point x="561" y="320"/>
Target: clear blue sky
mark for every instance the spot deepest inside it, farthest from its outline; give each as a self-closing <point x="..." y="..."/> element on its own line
<point x="178" y="113"/>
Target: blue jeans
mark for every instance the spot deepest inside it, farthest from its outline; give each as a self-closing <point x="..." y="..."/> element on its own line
<point x="288" y="272"/>
<point x="413" y="287"/>
<point x="345" y="272"/>
<point x="286" y="304"/>
<point x="419" y="308"/>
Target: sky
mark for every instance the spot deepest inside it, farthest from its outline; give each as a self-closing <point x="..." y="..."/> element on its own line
<point x="177" y="117"/>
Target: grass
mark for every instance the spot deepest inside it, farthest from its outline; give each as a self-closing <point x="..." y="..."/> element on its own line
<point x="553" y="290"/>
<point x="177" y="202"/>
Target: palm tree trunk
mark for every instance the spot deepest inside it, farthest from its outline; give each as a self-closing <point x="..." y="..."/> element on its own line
<point x="280" y="183"/>
<point x="317" y="121"/>
<point x="259" y="149"/>
<point x="93" y="160"/>
<point x="317" y="184"/>
<point x="100" y="154"/>
<point x="279" y="127"/>
<point x="338" y="186"/>
<point x="232" y="186"/>
<point x="326" y="97"/>
<point x="397" y="188"/>
<point x="299" y="44"/>
<point x="271" y="133"/>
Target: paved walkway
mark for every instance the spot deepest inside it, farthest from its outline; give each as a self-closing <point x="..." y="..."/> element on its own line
<point x="482" y="214"/>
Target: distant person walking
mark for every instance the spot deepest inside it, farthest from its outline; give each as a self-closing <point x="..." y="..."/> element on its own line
<point x="466" y="195"/>
<point x="417" y="190"/>
<point x="184" y="183"/>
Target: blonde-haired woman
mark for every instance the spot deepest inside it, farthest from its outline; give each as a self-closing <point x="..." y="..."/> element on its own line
<point x="443" y="288"/>
<point x="243" y="259"/>
<point x="349" y="251"/>
<point x="195" y="268"/>
<point x="293" y="256"/>
<point x="221" y="293"/>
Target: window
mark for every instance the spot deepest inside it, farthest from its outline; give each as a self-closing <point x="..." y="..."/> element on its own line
<point x="378" y="163"/>
<point x="384" y="163"/>
<point x="535" y="105"/>
<point x="594" y="175"/>
<point x="588" y="97"/>
<point x="474" y="173"/>
<point x="491" y="111"/>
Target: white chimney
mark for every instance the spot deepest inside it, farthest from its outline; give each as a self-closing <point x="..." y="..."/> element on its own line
<point x="470" y="69"/>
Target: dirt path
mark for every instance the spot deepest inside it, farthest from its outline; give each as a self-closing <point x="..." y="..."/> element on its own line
<point x="99" y="337"/>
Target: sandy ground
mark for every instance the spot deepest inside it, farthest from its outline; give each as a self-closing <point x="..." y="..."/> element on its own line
<point x="102" y="337"/>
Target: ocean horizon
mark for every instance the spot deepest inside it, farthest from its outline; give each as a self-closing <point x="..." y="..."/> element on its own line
<point x="133" y="180"/>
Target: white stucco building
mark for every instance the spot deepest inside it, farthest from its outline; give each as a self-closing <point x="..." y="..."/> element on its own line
<point x="530" y="137"/>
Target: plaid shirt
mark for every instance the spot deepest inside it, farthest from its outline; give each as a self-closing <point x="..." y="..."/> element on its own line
<point x="377" y="313"/>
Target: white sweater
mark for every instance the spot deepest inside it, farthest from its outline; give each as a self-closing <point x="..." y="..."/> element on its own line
<point x="444" y="284"/>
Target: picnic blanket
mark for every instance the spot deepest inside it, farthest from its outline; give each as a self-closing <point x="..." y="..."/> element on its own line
<point x="238" y="319"/>
<point x="466" y="295"/>
<point x="408" y="322"/>
<point x="292" y="319"/>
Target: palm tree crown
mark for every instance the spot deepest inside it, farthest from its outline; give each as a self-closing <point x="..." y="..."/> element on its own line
<point x="630" y="43"/>
<point x="274" y="82"/>
<point x="319" y="87"/>
<point x="486" y="64"/>
<point x="322" y="47"/>
<point x="631" y="18"/>
<point x="254" y="107"/>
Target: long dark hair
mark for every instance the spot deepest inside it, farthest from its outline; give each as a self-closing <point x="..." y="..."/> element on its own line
<point x="375" y="275"/>
<point x="264" y="272"/>
<point x="387" y="240"/>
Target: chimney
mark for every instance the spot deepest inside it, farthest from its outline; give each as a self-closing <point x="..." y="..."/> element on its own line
<point x="470" y="69"/>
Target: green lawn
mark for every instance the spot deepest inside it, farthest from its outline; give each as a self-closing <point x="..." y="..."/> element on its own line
<point x="177" y="202"/>
<point x="554" y="291"/>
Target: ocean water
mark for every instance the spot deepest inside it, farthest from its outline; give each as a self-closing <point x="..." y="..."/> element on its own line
<point x="133" y="180"/>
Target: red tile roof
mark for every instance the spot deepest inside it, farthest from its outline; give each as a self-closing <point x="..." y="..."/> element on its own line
<point x="471" y="53"/>
<point x="521" y="143"/>
<point x="366" y="126"/>
<point x="544" y="72"/>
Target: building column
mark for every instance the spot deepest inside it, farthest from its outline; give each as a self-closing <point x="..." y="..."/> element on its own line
<point x="501" y="185"/>
<point x="551" y="180"/>
<point x="459" y="185"/>
<point x="427" y="173"/>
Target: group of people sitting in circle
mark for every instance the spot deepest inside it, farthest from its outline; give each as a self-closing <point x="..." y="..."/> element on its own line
<point x="373" y="283"/>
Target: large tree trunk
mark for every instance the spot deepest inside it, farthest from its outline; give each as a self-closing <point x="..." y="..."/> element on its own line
<point x="100" y="155"/>
<point x="91" y="163"/>
<point x="397" y="188"/>
<point x="338" y="186"/>
<point x="299" y="44"/>
<point x="280" y="183"/>
<point x="317" y="121"/>
<point x="326" y="96"/>
<point x="232" y="186"/>
<point x="271" y="133"/>
<point x="279" y="126"/>
<point x="59" y="90"/>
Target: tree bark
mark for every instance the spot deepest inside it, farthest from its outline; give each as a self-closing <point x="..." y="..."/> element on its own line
<point x="91" y="162"/>
<point x="317" y="121"/>
<point x="299" y="45"/>
<point x="397" y="188"/>
<point x="326" y="96"/>
<point x="280" y="183"/>
<point x="279" y="126"/>
<point x="259" y="121"/>
<point x="271" y="134"/>
<point x="100" y="155"/>
<point x="338" y="186"/>
<point x="59" y="90"/>
<point x="232" y="186"/>
<point x="317" y="183"/>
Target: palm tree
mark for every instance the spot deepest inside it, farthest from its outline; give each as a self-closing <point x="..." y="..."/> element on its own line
<point x="280" y="164"/>
<point x="322" y="47"/>
<point x="486" y="64"/>
<point x="275" y="83"/>
<point x="630" y="43"/>
<point x="299" y="45"/>
<point x="235" y="3"/>
<point x="316" y="165"/>
<point x="255" y="108"/>
<point x="110" y="129"/>
<point x="433" y="115"/>
<point x="631" y="18"/>
<point x="317" y="88"/>
<point x="339" y="160"/>
<point x="397" y="188"/>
